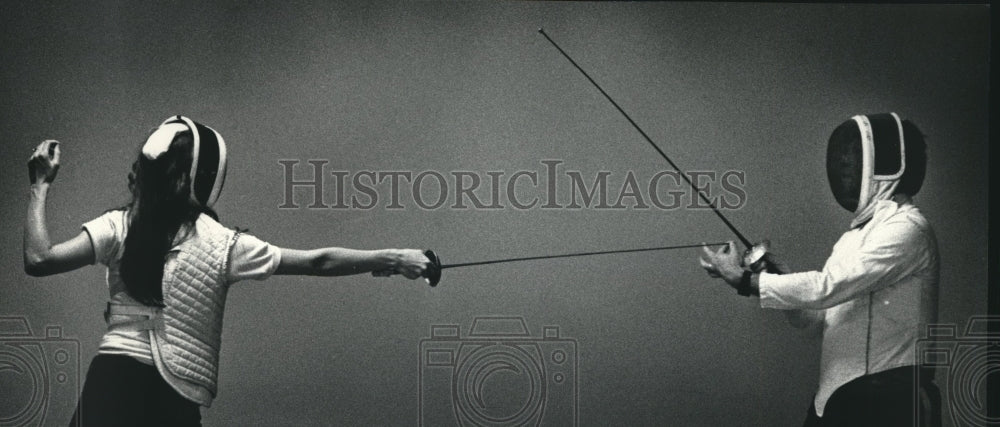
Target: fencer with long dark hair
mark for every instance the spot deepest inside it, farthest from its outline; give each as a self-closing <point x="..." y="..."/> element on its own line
<point x="169" y="267"/>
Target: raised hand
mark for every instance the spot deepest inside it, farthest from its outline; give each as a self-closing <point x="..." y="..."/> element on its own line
<point x="43" y="165"/>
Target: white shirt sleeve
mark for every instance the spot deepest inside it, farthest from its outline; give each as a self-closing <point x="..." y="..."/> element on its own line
<point x="107" y="235"/>
<point x="891" y="251"/>
<point x="252" y="259"/>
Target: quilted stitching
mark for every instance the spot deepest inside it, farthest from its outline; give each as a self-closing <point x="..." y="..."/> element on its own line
<point x="195" y="295"/>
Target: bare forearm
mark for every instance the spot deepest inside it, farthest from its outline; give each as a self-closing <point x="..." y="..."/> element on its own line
<point x="335" y="261"/>
<point x="343" y="261"/>
<point x="41" y="257"/>
<point x="36" y="235"/>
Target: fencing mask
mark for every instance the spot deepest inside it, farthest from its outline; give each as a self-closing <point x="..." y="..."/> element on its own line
<point x="208" y="157"/>
<point x="866" y="161"/>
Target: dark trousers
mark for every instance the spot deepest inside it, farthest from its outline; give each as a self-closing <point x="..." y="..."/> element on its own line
<point x="122" y="391"/>
<point x="886" y="399"/>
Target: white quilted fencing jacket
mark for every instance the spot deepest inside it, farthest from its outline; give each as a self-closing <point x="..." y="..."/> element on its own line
<point x="186" y="333"/>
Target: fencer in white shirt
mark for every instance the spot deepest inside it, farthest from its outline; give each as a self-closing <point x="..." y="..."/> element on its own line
<point x="877" y="290"/>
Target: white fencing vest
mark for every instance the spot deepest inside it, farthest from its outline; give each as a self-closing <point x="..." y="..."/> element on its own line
<point x="186" y="334"/>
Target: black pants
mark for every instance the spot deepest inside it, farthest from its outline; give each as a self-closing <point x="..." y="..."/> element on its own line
<point x="885" y="399"/>
<point x="122" y="391"/>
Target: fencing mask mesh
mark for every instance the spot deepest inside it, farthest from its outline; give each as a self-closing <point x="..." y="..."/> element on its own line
<point x="865" y="161"/>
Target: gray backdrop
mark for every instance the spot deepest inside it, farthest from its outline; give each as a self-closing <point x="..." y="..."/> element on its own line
<point x="473" y="86"/>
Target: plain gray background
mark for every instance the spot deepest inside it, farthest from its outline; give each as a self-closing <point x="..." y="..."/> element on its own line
<point x="472" y="86"/>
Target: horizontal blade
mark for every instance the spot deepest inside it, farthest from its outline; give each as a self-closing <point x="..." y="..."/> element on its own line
<point x="578" y="254"/>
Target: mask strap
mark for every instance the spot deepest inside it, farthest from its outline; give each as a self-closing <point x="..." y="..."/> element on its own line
<point x="902" y="151"/>
<point x="867" y="161"/>
<point x="159" y="142"/>
<point x="195" y="149"/>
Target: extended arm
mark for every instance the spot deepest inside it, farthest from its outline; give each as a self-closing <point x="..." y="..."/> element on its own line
<point x="41" y="258"/>
<point x="888" y="253"/>
<point x="342" y="261"/>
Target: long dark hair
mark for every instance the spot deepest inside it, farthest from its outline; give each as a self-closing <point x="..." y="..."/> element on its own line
<point x="161" y="204"/>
